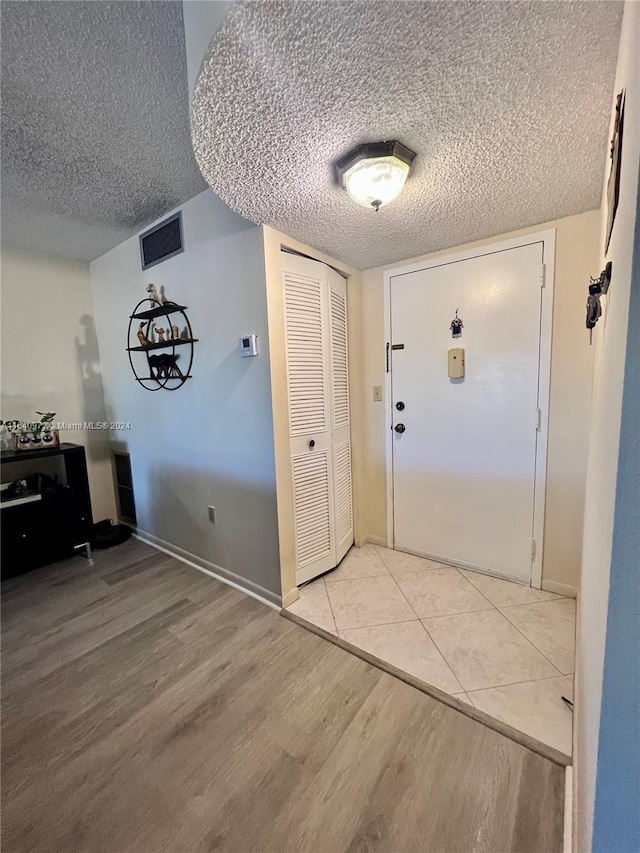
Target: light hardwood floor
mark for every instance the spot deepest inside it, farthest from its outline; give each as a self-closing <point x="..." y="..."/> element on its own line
<point x="148" y="708"/>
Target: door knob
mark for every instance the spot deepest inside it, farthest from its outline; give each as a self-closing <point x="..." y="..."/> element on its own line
<point x="312" y="444"/>
<point x="400" y="427"/>
<point x="399" y="405"/>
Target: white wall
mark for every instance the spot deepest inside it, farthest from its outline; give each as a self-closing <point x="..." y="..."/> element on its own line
<point x="201" y="21"/>
<point x="571" y="372"/>
<point x="50" y="358"/>
<point x="211" y="441"/>
<point x="610" y="344"/>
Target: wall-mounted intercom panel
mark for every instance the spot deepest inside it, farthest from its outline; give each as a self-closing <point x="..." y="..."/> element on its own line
<point x="248" y="346"/>
<point x="456" y="363"/>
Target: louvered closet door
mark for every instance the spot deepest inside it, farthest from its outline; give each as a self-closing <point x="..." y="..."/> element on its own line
<point x="340" y="421"/>
<point x="308" y="368"/>
<point x="316" y="342"/>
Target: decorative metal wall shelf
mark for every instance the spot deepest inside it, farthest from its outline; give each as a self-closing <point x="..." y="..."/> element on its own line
<point x="171" y="368"/>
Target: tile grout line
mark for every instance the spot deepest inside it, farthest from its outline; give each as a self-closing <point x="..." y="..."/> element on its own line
<point x="541" y="601"/>
<point x="536" y="648"/>
<point x="553" y="595"/>
<point x="333" y="615"/>
<point x="420" y="573"/>
<point x="324" y="579"/>
<point x="463" y="693"/>
<point x="433" y="640"/>
<point x="457" y="613"/>
<point x="361" y="578"/>
<point x="474" y="588"/>
<point x="513" y="683"/>
<point x="447" y="664"/>
<point x="378" y="625"/>
<point x="444" y="616"/>
<point x="493" y="607"/>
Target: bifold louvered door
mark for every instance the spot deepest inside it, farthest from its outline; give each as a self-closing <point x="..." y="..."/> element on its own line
<point x="340" y="423"/>
<point x="319" y="428"/>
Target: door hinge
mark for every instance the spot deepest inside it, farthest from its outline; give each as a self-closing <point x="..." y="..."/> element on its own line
<point x="533" y="548"/>
<point x="542" y="275"/>
<point x="387" y="356"/>
<point x="538" y="418"/>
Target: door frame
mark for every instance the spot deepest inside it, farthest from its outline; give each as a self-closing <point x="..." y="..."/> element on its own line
<point x="548" y="240"/>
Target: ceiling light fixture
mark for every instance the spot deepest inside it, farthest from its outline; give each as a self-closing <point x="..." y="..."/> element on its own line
<point x="375" y="173"/>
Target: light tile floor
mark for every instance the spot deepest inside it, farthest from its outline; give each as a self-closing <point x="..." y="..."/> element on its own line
<point x="505" y="648"/>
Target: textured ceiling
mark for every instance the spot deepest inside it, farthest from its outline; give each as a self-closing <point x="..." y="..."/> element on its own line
<point x="95" y="124"/>
<point x="506" y="104"/>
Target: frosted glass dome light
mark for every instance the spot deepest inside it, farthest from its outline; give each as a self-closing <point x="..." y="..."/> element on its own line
<point x="374" y="174"/>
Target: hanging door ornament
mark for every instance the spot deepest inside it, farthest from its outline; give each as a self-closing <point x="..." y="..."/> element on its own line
<point x="456" y="326"/>
<point x="597" y="287"/>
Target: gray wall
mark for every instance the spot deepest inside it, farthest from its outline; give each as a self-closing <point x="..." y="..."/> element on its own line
<point x="616" y="825"/>
<point x="211" y="441"/>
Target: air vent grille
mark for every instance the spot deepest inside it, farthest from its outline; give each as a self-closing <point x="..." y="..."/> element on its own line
<point x="162" y="241"/>
<point x="124" y="483"/>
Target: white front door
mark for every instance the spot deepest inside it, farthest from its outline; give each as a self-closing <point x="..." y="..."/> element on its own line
<point x="464" y="468"/>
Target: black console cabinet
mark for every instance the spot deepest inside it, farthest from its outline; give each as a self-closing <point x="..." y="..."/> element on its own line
<point x="58" y="525"/>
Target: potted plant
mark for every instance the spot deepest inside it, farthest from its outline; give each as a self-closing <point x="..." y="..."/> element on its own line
<point x="33" y="435"/>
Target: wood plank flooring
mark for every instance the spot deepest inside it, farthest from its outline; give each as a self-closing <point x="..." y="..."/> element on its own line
<point x="148" y="708"/>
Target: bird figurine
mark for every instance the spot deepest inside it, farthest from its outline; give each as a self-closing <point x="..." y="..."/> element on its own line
<point x="144" y="341"/>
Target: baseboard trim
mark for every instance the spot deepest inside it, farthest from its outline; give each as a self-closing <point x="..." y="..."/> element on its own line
<point x="290" y="597"/>
<point x="577" y="728"/>
<point x="560" y="588"/>
<point x="248" y="587"/>
<point x="567" y="838"/>
<point x="370" y="540"/>
<point x="487" y="720"/>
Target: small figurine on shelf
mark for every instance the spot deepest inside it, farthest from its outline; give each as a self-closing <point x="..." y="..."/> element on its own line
<point x="144" y="341"/>
<point x="175" y="332"/>
<point x="153" y="294"/>
<point x="160" y="332"/>
<point x="164" y="367"/>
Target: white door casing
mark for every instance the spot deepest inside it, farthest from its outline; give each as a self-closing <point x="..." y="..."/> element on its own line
<point x="466" y="481"/>
<point x="319" y="424"/>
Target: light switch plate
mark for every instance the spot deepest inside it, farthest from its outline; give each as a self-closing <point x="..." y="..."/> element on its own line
<point x="377" y="393"/>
